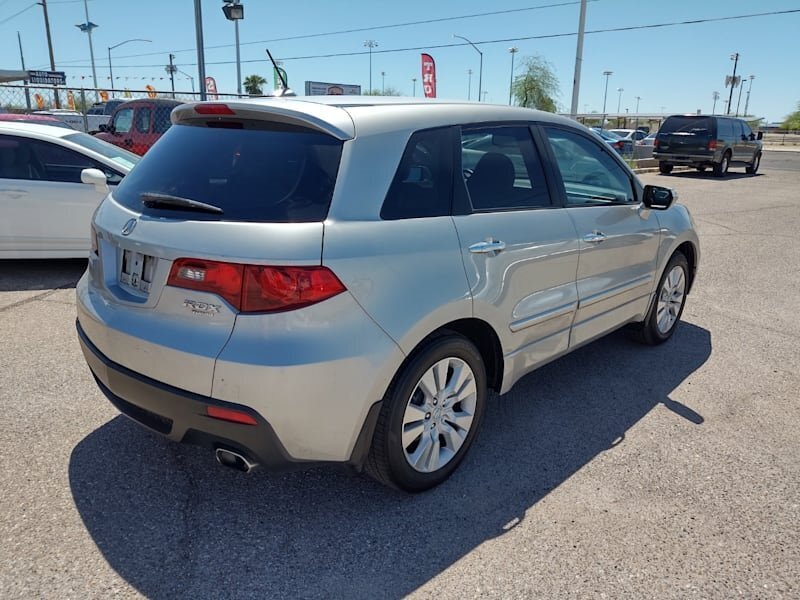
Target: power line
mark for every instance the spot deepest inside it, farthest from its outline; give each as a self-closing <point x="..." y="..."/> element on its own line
<point x="496" y="41"/>
<point x="16" y="14"/>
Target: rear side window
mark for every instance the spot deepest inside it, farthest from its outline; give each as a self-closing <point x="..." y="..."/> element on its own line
<point x="423" y="183"/>
<point x="699" y="126"/>
<point x="254" y="171"/>
<point x="143" y="119"/>
<point x="725" y="129"/>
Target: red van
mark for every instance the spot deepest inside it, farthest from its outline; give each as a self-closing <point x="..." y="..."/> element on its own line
<point x="137" y="124"/>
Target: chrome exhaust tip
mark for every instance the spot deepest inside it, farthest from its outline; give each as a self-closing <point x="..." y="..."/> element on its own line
<point x="234" y="460"/>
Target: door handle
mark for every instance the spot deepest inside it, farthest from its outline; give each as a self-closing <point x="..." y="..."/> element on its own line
<point x="129" y="142"/>
<point x="594" y="238"/>
<point x="487" y="247"/>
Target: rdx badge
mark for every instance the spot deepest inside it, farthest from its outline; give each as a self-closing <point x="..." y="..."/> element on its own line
<point x="202" y="308"/>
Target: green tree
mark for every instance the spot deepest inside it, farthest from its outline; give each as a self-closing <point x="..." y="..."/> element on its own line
<point x="253" y="85"/>
<point x="387" y="91"/>
<point x="792" y="120"/>
<point x="538" y="86"/>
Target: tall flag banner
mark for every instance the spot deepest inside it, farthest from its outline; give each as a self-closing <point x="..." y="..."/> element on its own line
<point x="277" y="84"/>
<point x="428" y="76"/>
<point x="211" y="88"/>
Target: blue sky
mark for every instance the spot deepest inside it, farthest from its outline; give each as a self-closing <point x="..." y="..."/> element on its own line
<point x="674" y="69"/>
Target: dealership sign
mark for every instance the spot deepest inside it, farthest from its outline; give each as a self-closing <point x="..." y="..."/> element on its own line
<point x="47" y="77"/>
<point x="318" y="88"/>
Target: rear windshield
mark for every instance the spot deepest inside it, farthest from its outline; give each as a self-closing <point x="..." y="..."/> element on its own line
<point x="701" y="126"/>
<point x="253" y="171"/>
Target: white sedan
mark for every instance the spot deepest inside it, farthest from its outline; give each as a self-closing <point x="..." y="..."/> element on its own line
<point x="51" y="181"/>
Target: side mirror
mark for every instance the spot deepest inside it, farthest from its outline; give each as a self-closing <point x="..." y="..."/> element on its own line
<point x="96" y="178"/>
<point x="103" y="127"/>
<point x="659" y="198"/>
<point x="760" y="135"/>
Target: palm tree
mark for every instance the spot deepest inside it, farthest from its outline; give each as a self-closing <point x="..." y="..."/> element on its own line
<point x="253" y="83"/>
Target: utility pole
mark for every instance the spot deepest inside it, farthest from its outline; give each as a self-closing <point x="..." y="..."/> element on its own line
<point x="171" y="69"/>
<point x="201" y="56"/>
<point x="513" y="50"/>
<point x="746" y="102"/>
<point x="43" y="4"/>
<point x="576" y="80"/>
<point x="735" y="59"/>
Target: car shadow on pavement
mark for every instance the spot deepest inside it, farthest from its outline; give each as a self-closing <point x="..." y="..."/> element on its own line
<point x="172" y="523"/>
<point x="31" y="275"/>
<point x="709" y="175"/>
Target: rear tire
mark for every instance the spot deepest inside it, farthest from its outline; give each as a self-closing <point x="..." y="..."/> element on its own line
<point x="752" y="168"/>
<point x="430" y="416"/>
<point x="665" y="313"/>
<point x="664" y="168"/>
<point x="721" y="168"/>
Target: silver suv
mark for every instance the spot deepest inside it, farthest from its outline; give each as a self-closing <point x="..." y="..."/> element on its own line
<point x="342" y="279"/>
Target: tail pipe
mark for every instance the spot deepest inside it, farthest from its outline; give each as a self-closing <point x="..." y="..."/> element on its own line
<point x="234" y="460"/>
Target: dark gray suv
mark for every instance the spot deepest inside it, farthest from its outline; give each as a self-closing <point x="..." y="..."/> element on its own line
<point x="704" y="141"/>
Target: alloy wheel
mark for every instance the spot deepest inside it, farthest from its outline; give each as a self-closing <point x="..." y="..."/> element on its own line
<point x="670" y="299"/>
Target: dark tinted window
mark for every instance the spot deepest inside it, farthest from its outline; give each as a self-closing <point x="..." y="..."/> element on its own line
<point x="142" y="123"/>
<point x="17" y="159"/>
<point x="747" y="131"/>
<point x="423" y="183"/>
<point x="702" y="126"/>
<point x="502" y="169"/>
<point x="725" y="130"/>
<point x="589" y="173"/>
<point x="253" y="171"/>
<point x="25" y="158"/>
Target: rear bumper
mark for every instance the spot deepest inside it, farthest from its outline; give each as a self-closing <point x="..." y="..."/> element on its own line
<point x="699" y="158"/>
<point x="181" y="415"/>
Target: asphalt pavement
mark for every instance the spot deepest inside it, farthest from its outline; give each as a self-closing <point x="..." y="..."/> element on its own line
<point x="619" y="471"/>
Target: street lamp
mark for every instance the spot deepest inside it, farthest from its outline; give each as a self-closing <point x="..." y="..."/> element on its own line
<point x="715" y="97"/>
<point x="605" y="96"/>
<point x="414" y="83"/>
<point x="383" y="83"/>
<point x="747" y="102"/>
<point x="234" y="11"/>
<point x="191" y="79"/>
<point x="110" y="48"/>
<point x="513" y="50"/>
<point x="87" y="28"/>
<point x="469" y="84"/>
<point x="480" y="68"/>
<point x="370" y="44"/>
<point x="619" y="101"/>
<point x="638" y="98"/>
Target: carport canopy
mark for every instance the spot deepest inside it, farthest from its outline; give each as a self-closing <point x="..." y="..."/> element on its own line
<point x="8" y="75"/>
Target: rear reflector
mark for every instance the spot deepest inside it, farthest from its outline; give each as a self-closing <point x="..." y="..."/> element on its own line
<point x="257" y="288"/>
<point x="213" y="109"/>
<point x="228" y="414"/>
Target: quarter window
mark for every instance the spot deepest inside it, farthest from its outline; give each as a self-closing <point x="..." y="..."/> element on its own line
<point x="143" y="119"/>
<point x="590" y="175"/>
<point x="501" y="169"/>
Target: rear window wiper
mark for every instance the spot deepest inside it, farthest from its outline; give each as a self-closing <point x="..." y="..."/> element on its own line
<point x="156" y="200"/>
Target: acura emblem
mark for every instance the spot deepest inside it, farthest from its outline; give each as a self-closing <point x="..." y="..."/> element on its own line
<point x="129" y="226"/>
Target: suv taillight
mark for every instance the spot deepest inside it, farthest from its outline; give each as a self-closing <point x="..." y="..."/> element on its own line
<point x="712" y="145"/>
<point x="257" y="288"/>
<point x="655" y="143"/>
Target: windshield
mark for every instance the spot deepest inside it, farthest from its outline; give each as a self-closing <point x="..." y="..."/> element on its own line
<point x="255" y="171"/>
<point x="110" y="151"/>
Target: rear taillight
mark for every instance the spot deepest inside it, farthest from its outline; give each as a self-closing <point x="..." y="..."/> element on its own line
<point x="655" y="143"/>
<point x="213" y="109"/>
<point x="257" y="288"/>
<point x="619" y="145"/>
<point x="712" y="145"/>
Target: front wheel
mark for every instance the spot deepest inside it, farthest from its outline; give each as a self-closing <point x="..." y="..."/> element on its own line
<point x="664" y="168"/>
<point x="752" y="168"/>
<point x="667" y="308"/>
<point x="430" y="415"/>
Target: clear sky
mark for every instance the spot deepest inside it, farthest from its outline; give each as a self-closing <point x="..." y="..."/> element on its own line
<point x="673" y="68"/>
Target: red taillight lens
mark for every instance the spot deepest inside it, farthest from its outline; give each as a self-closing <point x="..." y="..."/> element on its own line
<point x="228" y="414"/>
<point x="655" y="143"/>
<point x="224" y="279"/>
<point x="268" y="289"/>
<point x="256" y="288"/>
<point x="712" y="145"/>
<point x="619" y="145"/>
<point x="213" y="109"/>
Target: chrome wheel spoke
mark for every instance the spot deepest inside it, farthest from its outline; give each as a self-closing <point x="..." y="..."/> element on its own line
<point x="412" y="432"/>
<point x="440" y="374"/>
<point x="428" y="385"/>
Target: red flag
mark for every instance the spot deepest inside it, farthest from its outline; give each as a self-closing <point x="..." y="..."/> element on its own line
<point x="428" y="76"/>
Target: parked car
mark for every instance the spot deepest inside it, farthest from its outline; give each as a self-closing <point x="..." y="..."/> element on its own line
<point x="707" y="141"/>
<point x="629" y="134"/>
<point x="622" y="146"/>
<point x="644" y="147"/>
<point x="137" y="124"/>
<point x="28" y="118"/>
<point x="76" y="119"/>
<point x="647" y="141"/>
<point x="105" y="108"/>
<point x="341" y="279"/>
<point x="45" y="202"/>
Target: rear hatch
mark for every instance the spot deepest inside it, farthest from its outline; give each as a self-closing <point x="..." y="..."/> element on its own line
<point x="222" y="216"/>
<point x="687" y="134"/>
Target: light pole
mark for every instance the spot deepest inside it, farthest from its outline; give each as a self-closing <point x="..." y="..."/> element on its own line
<point x="201" y="49"/>
<point x="747" y="102"/>
<point x="619" y="100"/>
<point x="191" y="79"/>
<point x="87" y="28"/>
<point x="484" y="92"/>
<point x="414" y="88"/>
<point x="469" y="84"/>
<point x="605" y="96"/>
<point x="383" y="83"/>
<point x="735" y="59"/>
<point x="234" y="11"/>
<point x="739" y="101"/>
<point x="110" y="48"/>
<point x="513" y="50"/>
<point x="370" y="44"/>
<point x="715" y="97"/>
<point x="480" y="68"/>
<point x="638" y="98"/>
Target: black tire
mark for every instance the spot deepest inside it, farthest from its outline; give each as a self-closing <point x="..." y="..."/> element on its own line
<point x="664" y="168"/>
<point x="387" y="461"/>
<point x="648" y="332"/>
<point x="752" y="168"/>
<point x="721" y="168"/>
<point x="701" y="168"/>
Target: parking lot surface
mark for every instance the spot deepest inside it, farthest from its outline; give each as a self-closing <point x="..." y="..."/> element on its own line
<point x="619" y="471"/>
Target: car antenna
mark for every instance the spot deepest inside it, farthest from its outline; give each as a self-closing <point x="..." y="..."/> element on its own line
<point x="285" y="90"/>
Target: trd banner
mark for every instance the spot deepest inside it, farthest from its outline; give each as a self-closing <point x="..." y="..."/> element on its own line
<point x="428" y="76"/>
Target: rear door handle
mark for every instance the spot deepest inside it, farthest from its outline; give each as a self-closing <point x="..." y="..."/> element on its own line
<point x="594" y="238"/>
<point x="487" y="247"/>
